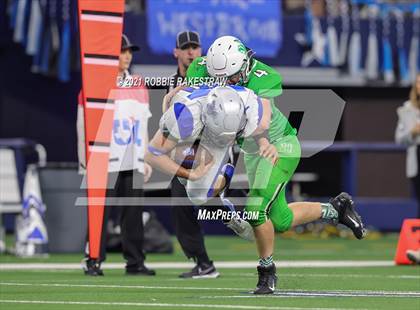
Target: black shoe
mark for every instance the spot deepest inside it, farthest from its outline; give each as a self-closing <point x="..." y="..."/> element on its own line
<point x="200" y="271"/>
<point x="140" y="271"/>
<point x="267" y="280"/>
<point x="414" y="256"/>
<point x="92" y="267"/>
<point x="347" y="215"/>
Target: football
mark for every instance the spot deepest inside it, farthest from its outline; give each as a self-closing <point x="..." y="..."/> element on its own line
<point x="188" y="156"/>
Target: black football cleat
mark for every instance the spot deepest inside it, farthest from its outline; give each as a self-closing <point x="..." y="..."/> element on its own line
<point x="201" y="271"/>
<point x="347" y="215"/>
<point x="267" y="280"/>
<point x="92" y="267"/>
<point x="414" y="256"/>
<point x="140" y="271"/>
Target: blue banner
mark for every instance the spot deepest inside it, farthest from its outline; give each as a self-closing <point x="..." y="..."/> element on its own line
<point x="257" y="23"/>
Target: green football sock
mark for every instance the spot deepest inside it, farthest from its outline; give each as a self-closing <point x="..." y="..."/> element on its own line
<point x="328" y="212"/>
<point x="267" y="261"/>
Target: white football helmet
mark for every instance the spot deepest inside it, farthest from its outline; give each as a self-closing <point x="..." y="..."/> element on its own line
<point x="223" y="116"/>
<point x="228" y="56"/>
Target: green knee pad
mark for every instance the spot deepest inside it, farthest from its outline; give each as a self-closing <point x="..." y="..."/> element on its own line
<point x="281" y="217"/>
<point x="281" y="224"/>
<point x="255" y="204"/>
<point x="268" y="184"/>
<point x="278" y="212"/>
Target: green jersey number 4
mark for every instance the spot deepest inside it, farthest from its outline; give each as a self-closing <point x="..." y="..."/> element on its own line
<point x="260" y="73"/>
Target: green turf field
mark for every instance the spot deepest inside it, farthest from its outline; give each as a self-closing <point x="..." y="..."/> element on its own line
<point x="384" y="287"/>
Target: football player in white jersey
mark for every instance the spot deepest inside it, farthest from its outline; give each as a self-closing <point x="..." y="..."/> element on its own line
<point x="217" y="116"/>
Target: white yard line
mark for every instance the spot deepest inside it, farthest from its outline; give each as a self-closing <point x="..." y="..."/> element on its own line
<point x="220" y="265"/>
<point x="306" y="294"/>
<point x="201" y="288"/>
<point x="124" y="286"/>
<point x="166" y="305"/>
<point x="327" y="275"/>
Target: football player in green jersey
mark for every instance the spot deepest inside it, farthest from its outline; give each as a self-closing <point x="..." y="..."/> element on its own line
<point x="270" y="158"/>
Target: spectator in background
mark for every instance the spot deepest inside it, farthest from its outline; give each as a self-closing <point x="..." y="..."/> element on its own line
<point x="126" y="169"/>
<point x="408" y="134"/>
<point x="294" y="6"/>
<point x="135" y="6"/>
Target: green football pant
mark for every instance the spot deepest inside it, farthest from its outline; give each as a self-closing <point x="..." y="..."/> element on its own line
<point x="267" y="193"/>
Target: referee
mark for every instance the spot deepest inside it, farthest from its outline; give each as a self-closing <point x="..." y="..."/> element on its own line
<point x="187" y="227"/>
<point x="125" y="175"/>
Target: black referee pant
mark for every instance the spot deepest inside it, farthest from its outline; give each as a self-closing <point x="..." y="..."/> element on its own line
<point x="131" y="220"/>
<point x="416" y="184"/>
<point x="187" y="228"/>
<point x="415" y="181"/>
